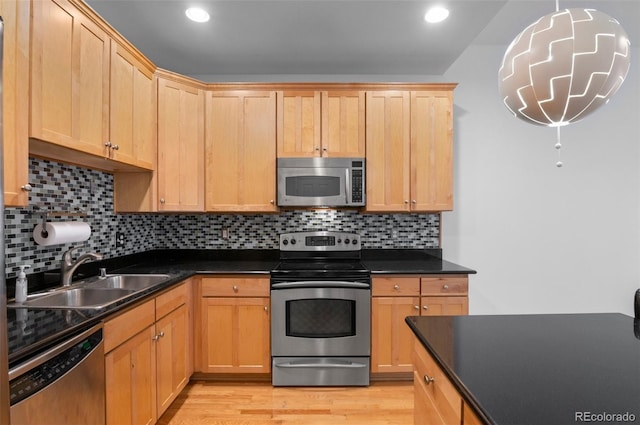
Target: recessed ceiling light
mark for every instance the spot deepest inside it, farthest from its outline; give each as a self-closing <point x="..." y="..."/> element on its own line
<point x="436" y="14"/>
<point x="197" y="15"/>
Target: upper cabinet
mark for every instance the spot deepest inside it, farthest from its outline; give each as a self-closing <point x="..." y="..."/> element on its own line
<point x="329" y="123"/>
<point x="15" y="105"/>
<point x="180" y="171"/>
<point x="410" y="150"/>
<point x="69" y="78"/>
<point x="241" y="151"/>
<point x="132" y="130"/>
<point x="83" y="90"/>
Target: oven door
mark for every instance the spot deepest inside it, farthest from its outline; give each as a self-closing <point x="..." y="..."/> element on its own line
<point x="329" y="320"/>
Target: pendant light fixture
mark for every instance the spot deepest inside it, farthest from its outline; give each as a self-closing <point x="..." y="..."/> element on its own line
<point x="563" y="67"/>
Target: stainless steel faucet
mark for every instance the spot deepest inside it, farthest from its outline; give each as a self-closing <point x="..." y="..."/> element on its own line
<point x="69" y="265"/>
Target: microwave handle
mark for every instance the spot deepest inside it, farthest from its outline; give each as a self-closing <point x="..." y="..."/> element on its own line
<point x="347" y="186"/>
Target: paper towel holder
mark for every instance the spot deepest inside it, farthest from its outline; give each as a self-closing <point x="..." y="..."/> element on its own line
<point x="78" y="212"/>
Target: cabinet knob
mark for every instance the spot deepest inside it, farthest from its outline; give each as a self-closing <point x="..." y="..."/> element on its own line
<point x="317" y="149"/>
<point x="161" y="334"/>
<point x="425" y="307"/>
<point x="155" y="338"/>
<point x="162" y="200"/>
<point x="115" y="147"/>
<point x="235" y="288"/>
<point x="107" y="144"/>
<point x="27" y="187"/>
<point x="324" y="149"/>
<point x="416" y="307"/>
<point x="406" y="201"/>
<point x="266" y="308"/>
<point x="396" y="287"/>
<point x="272" y="202"/>
<point x="414" y="202"/>
<point x="445" y="286"/>
<point x="428" y="379"/>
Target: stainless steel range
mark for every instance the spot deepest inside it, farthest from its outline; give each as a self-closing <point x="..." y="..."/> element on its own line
<point x="320" y="311"/>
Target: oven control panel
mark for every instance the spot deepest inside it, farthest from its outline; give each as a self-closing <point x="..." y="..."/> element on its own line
<point x="320" y="241"/>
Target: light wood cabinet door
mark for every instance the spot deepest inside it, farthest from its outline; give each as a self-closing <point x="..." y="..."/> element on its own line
<point x="388" y="131"/>
<point x="235" y="333"/>
<point x="343" y="123"/>
<point x="132" y="107"/>
<point x="299" y="123"/>
<point x="180" y="171"/>
<point x="431" y="151"/>
<point x="241" y="151"/>
<point x="15" y="105"/>
<point x="171" y="356"/>
<point x="391" y="338"/>
<point x="444" y="306"/>
<point x="69" y="78"/>
<point x="130" y="371"/>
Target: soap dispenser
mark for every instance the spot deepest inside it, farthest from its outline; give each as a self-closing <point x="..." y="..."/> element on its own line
<point x="21" y="285"/>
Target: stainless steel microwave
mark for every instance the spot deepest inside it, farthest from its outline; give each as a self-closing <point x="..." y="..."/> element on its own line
<point x="321" y="182"/>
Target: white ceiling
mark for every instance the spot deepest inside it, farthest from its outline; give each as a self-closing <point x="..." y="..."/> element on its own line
<point x="332" y="37"/>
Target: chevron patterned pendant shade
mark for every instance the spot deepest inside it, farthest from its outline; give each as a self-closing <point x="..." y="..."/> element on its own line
<point x="564" y="66"/>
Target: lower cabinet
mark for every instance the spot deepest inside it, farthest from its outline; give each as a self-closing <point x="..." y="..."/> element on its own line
<point x="147" y="360"/>
<point x="234" y="320"/>
<point x="396" y="297"/>
<point x="436" y="401"/>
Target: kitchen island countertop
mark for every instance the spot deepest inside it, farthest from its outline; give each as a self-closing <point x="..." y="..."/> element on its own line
<point x="540" y="369"/>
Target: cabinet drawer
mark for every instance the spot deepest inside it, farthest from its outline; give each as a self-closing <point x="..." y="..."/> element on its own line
<point x="438" y="387"/>
<point x="445" y="285"/>
<point x="170" y="300"/>
<point x="235" y="286"/>
<point x="122" y="327"/>
<point x="395" y="286"/>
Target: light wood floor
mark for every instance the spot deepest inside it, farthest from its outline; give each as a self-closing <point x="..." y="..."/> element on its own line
<point x="204" y="402"/>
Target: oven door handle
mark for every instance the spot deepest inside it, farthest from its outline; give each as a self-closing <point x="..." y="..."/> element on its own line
<point x="320" y="283"/>
<point x="291" y="365"/>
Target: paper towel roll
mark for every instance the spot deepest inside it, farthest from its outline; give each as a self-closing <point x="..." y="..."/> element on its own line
<point x="62" y="232"/>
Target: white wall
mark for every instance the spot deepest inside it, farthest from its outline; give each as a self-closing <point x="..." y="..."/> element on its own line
<point x="544" y="239"/>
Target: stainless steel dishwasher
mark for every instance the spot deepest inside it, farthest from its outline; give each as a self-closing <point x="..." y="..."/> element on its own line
<point x="63" y="385"/>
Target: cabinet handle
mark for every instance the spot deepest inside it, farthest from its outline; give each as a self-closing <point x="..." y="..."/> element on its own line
<point x="235" y="288"/>
<point x="445" y="286"/>
<point x="396" y="287"/>
<point x="428" y="379"/>
<point x="27" y="187"/>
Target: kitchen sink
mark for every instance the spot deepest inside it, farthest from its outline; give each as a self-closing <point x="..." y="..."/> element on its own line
<point x="93" y="293"/>
<point x="136" y="282"/>
<point x="87" y="298"/>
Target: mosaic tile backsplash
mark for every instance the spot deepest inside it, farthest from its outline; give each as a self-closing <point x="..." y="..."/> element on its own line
<point x="64" y="187"/>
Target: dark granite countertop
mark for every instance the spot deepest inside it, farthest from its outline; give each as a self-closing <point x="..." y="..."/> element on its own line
<point x="31" y="330"/>
<point x="410" y="261"/>
<point x="540" y="369"/>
